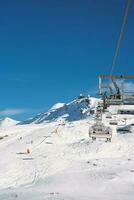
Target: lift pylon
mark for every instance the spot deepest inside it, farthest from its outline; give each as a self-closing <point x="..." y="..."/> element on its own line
<point x="116" y="94"/>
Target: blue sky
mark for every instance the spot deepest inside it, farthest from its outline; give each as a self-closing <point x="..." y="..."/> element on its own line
<point x="53" y="50"/>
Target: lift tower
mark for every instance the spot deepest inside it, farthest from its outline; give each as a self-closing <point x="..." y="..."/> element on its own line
<point x="112" y="92"/>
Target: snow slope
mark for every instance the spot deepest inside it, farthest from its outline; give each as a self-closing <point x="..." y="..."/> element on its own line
<point x="65" y="164"/>
<point x="75" y="110"/>
<point x="57" y="106"/>
<point x="6" y="122"/>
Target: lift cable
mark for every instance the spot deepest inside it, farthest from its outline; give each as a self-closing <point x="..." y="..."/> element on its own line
<point x="120" y="35"/>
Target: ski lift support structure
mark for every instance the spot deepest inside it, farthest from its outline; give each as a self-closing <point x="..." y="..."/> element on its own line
<point x="116" y="95"/>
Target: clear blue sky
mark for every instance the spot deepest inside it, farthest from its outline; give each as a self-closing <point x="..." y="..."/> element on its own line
<point x="53" y="50"/>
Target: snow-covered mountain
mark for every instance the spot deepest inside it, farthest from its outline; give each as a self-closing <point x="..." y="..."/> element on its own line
<point x="64" y="163"/>
<point x="7" y="122"/>
<point x="59" y="161"/>
<point x="77" y="109"/>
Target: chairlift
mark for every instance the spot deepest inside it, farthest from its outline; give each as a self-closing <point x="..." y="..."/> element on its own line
<point x="124" y="129"/>
<point x="113" y="122"/>
<point x="109" y="116"/>
<point x="99" y="130"/>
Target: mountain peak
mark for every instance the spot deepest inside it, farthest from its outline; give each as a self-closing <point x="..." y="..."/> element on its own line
<point x="6" y="122"/>
<point x="75" y="110"/>
<point x="57" y="106"/>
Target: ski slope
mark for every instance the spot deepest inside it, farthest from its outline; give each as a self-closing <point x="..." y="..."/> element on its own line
<point x="64" y="163"/>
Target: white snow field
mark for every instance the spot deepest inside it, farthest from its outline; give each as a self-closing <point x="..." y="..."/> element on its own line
<point x="6" y="122"/>
<point x="64" y="164"/>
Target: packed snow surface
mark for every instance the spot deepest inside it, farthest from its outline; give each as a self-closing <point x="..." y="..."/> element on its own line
<point x="64" y="163"/>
